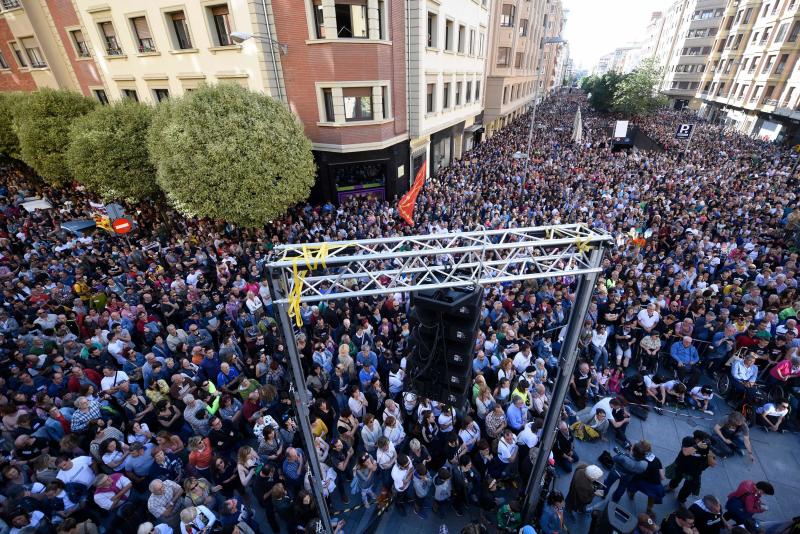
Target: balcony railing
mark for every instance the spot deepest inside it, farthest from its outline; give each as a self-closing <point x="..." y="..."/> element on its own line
<point x="146" y="45"/>
<point x="38" y="64"/>
<point x="83" y="50"/>
<point x="770" y="102"/>
<point x="11" y="4"/>
<point x="114" y="51"/>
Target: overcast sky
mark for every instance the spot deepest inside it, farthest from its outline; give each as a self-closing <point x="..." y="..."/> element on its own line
<point x="597" y="27"/>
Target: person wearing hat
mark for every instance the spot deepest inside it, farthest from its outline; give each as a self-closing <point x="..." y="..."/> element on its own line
<point x="583" y="489"/>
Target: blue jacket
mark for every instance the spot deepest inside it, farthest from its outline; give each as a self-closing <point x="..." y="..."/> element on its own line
<point x="550" y="523"/>
<point x="685" y="355"/>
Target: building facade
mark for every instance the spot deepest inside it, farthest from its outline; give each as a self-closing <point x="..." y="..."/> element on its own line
<point x="346" y="80"/>
<point x="448" y="42"/>
<point x="516" y="35"/>
<point x="687" y="50"/>
<point x="36" y="49"/>
<point x="551" y="53"/>
<point x="751" y="83"/>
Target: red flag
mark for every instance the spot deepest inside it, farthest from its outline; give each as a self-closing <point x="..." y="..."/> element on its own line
<point x="406" y="204"/>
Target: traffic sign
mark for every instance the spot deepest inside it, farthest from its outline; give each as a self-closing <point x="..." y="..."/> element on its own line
<point x="684" y="131"/>
<point x="122" y="226"/>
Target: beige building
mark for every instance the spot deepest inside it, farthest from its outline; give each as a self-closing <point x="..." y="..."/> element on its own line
<point x="685" y="47"/>
<point x="751" y="84"/>
<point x="548" y="71"/>
<point x="148" y="51"/>
<point x="516" y="41"/>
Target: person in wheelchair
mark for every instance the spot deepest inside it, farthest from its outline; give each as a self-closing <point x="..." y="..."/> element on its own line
<point x="785" y="371"/>
<point x="685" y="357"/>
<point x="745" y="375"/>
<point x="772" y="416"/>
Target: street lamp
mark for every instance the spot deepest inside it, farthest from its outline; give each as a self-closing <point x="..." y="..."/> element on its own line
<point x="240" y="37"/>
<point x="527" y="154"/>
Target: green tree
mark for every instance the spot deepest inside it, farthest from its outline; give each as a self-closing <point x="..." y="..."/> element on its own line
<point x="638" y="93"/>
<point x="227" y="153"/>
<point x="9" y="104"/>
<point x="108" y="154"/>
<point x="602" y="89"/>
<point x="42" y="124"/>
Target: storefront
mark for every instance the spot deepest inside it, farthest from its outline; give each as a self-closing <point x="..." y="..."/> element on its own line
<point x="378" y="174"/>
<point x="442" y="146"/>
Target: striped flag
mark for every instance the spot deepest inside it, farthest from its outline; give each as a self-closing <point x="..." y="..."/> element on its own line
<point x="406" y="204"/>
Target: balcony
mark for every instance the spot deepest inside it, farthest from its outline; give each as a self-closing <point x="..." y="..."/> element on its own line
<point x="11" y="4"/>
<point x="38" y="65"/>
<point x="114" y="51"/>
<point x="770" y="102"/>
<point x="146" y="45"/>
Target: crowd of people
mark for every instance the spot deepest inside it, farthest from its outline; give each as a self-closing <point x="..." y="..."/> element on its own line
<point x="145" y="385"/>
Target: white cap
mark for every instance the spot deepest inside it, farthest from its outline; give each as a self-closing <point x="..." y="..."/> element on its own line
<point x="594" y="472"/>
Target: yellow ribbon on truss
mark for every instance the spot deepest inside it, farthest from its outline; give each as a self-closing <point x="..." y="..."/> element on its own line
<point x="311" y="261"/>
<point x="582" y="245"/>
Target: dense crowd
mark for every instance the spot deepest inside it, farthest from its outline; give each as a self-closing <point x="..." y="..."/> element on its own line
<point x="151" y="374"/>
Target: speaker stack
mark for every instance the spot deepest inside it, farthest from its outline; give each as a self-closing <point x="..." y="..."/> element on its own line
<point x="440" y="362"/>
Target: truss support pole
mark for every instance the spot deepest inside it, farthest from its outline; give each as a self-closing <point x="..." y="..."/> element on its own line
<point x="301" y="403"/>
<point x="568" y="360"/>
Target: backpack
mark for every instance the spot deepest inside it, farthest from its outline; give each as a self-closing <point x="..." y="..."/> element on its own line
<point x="606" y="460"/>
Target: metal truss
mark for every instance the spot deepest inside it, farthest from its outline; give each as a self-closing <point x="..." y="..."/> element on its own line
<point x="324" y="271"/>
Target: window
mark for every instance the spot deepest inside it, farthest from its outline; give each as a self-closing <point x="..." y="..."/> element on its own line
<point x="130" y="94"/>
<point x="319" y="19"/>
<point x="503" y="56"/>
<point x="507" y="15"/>
<point x="480" y="44"/>
<point x="782" y="63"/>
<point x="110" y="39"/>
<point x="351" y="23"/>
<point x="794" y="33"/>
<point x="430" y="101"/>
<point x="18" y="54"/>
<point x="477" y="90"/>
<point x="161" y="94"/>
<point x="34" y="53"/>
<point x="518" y="60"/>
<point x="781" y="32"/>
<point x="432" y="29"/>
<point x="357" y="104"/>
<point x="385" y="102"/>
<point x="221" y="25"/>
<point x="468" y="96"/>
<point x="768" y="64"/>
<point x="144" y="40"/>
<point x="766" y="34"/>
<point x="80" y="43"/>
<point x="3" y="62"/>
<point x="446" y="95"/>
<point x="462" y="37"/>
<point x="768" y="94"/>
<point x="747" y="14"/>
<point x="753" y="64"/>
<point x="448" y="35"/>
<point x="472" y="42"/>
<point x="788" y="97"/>
<point x="756" y="93"/>
<point x="755" y="37"/>
<point x="327" y="96"/>
<point x="523" y="27"/>
<point x="381" y="25"/>
<point x="458" y="93"/>
<point x="100" y="95"/>
<point x="505" y="95"/>
<point x="180" y="30"/>
<point x="742" y="91"/>
<point x="766" y="8"/>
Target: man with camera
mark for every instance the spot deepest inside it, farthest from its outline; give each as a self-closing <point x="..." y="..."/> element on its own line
<point x="627" y="464"/>
<point x="694" y="458"/>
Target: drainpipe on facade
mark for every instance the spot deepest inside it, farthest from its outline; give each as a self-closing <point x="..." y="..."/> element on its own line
<point x="275" y="71"/>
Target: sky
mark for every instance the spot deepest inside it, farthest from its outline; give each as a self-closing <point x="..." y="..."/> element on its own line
<point x="597" y="27"/>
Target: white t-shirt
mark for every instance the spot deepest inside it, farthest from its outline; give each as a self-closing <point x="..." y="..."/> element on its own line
<point x="103" y="499"/>
<point x="109" y="382"/>
<point x="80" y="473"/>
<point x="605" y="405"/>
<point x="521" y="361"/>
<point x="648" y="382"/>
<point x="505" y="450"/>
<point x="700" y="395"/>
<point x="669" y="384"/>
<point x="528" y="436"/>
<point x="770" y="409"/>
<point x="648" y="321"/>
<point x="399" y="477"/>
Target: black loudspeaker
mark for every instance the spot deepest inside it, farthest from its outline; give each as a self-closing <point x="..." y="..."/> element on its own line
<point x="445" y="323"/>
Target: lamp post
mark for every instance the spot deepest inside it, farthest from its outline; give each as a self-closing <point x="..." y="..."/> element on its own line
<point x="527" y="154"/>
<point x="240" y="37"/>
